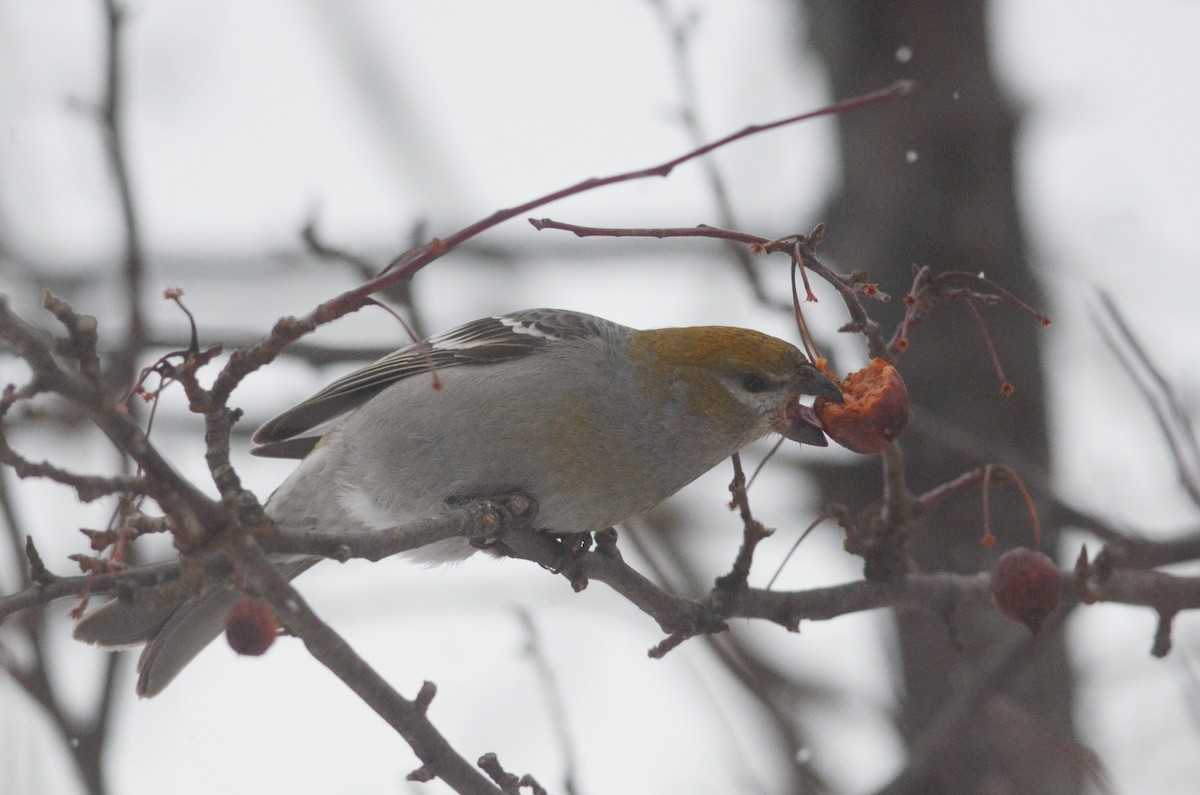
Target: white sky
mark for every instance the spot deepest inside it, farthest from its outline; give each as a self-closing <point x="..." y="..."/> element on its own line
<point x="247" y="118"/>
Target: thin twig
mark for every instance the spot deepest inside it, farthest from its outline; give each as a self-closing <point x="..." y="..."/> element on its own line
<point x="1173" y="420"/>
<point x="410" y="262"/>
<point x="407" y="717"/>
<point x="679" y="33"/>
<point x="556" y="705"/>
<point x="801" y="247"/>
<point x="112" y="116"/>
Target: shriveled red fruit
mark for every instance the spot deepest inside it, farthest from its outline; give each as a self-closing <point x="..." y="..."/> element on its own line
<point x="1026" y="586"/>
<point x="874" y="412"/>
<point x="250" y="627"/>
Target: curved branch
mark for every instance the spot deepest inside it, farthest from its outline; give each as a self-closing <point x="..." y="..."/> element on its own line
<point x="407" y="717"/>
<point x="405" y="266"/>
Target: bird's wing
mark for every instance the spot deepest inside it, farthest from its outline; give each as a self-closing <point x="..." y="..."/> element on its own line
<point x="485" y="341"/>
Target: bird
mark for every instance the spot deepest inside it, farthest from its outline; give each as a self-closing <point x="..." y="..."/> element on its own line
<point x="594" y="420"/>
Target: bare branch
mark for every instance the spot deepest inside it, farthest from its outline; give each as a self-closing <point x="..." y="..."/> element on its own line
<point x="478" y="521"/>
<point x="191" y="509"/>
<point x="87" y="487"/>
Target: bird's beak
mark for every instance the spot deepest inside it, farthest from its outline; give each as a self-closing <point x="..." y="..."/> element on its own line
<point x="814" y="382"/>
<point x="800" y="422"/>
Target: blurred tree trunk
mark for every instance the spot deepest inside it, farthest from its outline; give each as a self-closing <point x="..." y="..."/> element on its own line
<point x="928" y="180"/>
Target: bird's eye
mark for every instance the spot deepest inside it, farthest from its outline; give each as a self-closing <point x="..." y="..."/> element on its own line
<point x="753" y="382"/>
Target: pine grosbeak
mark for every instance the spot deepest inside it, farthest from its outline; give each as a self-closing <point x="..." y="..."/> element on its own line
<point x="594" y="420"/>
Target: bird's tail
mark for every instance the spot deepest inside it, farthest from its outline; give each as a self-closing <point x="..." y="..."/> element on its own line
<point x="174" y="633"/>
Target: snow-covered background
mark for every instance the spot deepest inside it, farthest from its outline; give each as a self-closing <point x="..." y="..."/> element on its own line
<point x="245" y="120"/>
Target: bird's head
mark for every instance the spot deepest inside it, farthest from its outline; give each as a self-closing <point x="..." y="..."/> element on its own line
<point x="738" y="379"/>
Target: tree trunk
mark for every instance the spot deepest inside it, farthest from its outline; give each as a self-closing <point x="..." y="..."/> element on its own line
<point x="928" y="181"/>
